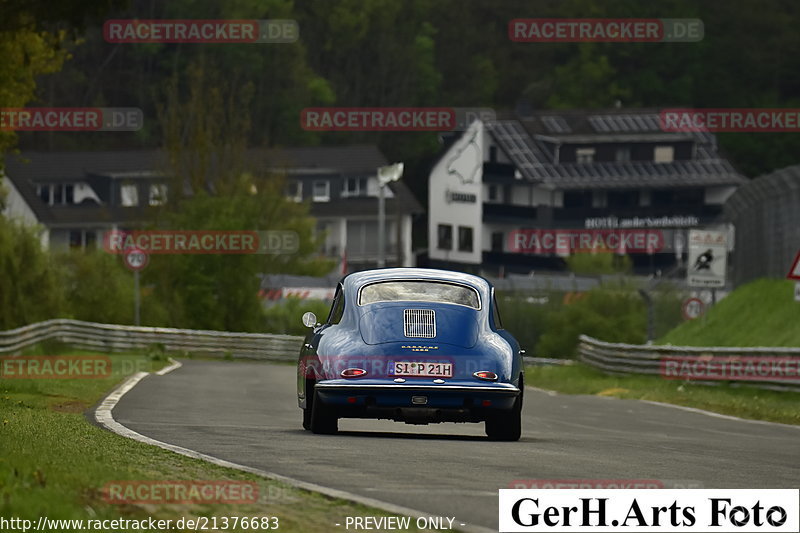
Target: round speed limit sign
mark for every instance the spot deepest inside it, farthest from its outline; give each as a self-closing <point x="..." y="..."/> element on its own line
<point x="136" y="259"/>
<point x="693" y="308"/>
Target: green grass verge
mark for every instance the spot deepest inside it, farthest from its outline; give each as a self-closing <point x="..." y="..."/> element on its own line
<point x="744" y="402"/>
<point x="54" y="463"/>
<point x="760" y="313"/>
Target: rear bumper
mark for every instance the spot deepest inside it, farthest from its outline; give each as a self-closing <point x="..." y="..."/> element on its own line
<point x="417" y="402"/>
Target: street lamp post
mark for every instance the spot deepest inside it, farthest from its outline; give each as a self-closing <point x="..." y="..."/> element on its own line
<point x="385" y="175"/>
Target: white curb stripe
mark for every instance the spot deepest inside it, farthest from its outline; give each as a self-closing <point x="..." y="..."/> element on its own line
<point x="167" y="369"/>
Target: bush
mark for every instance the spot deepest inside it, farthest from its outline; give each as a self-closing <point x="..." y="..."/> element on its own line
<point x="613" y="315"/>
<point x="526" y="316"/>
<point x="285" y="317"/>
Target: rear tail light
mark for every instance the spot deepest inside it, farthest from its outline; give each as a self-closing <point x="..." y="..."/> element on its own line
<point x="353" y="372"/>
<point x="485" y="375"/>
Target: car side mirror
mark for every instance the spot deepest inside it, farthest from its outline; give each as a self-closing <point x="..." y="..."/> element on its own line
<point x="309" y="319"/>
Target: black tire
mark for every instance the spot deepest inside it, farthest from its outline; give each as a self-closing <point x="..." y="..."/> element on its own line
<point x="309" y="403"/>
<point x="323" y="419"/>
<point x="507" y="426"/>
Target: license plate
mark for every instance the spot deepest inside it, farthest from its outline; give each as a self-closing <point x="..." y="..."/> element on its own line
<point x="423" y="369"/>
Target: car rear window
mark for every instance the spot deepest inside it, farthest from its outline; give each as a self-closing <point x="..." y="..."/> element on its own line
<point x="419" y="291"/>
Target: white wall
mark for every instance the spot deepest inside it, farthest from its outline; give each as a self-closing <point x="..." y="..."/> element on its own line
<point x="459" y="171"/>
<point x="16" y="207"/>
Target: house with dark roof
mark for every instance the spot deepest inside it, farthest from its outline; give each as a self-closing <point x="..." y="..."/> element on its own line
<point x="77" y="196"/>
<point x="571" y="171"/>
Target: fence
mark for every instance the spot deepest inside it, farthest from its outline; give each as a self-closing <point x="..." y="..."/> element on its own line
<point x="115" y="338"/>
<point x="617" y="358"/>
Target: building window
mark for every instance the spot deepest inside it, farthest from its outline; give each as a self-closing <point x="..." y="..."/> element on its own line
<point x="493" y="196"/>
<point x="158" y="194"/>
<point x="497" y="241"/>
<point x="493" y="154"/>
<point x="354" y="187"/>
<point x="464" y="239"/>
<point x="445" y="237"/>
<point x="623" y="154"/>
<point x="75" y="238"/>
<point x="43" y="192"/>
<point x="584" y="155"/>
<point x="664" y="154"/>
<point x="578" y="199"/>
<point x="622" y="199"/>
<point x="294" y="190"/>
<point x="129" y="194"/>
<point x="321" y="191"/>
<point x="678" y="197"/>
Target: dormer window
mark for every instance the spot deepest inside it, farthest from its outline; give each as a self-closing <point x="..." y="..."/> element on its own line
<point x="294" y="190"/>
<point x="584" y="155"/>
<point x="321" y="191"/>
<point x="129" y="195"/>
<point x="158" y="194"/>
<point x="354" y="187"/>
<point x="664" y="154"/>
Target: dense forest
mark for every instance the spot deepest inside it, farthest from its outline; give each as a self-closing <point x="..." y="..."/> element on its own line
<point x="403" y="53"/>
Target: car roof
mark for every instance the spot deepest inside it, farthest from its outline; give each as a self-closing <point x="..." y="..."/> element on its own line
<point x="359" y="279"/>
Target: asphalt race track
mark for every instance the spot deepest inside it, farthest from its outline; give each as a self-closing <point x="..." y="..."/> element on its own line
<point x="247" y="413"/>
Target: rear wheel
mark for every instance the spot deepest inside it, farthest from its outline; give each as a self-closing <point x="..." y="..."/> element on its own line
<point x="323" y="420"/>
<point x="309" y="403"/>
<point x="507" y="425"/>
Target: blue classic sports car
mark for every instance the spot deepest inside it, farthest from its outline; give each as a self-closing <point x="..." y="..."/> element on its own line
<point x="412" y="345"/>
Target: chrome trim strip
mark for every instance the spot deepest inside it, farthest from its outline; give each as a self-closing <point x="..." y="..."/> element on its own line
<point x="508" y="389"/>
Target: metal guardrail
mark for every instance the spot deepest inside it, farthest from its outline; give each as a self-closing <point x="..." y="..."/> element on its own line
<point x="618" y="358"/>
<point x="115" y="338"/>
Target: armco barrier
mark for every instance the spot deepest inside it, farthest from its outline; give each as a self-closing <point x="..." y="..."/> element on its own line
<point x="115" y="338"/>
<point x="618" y="358"/>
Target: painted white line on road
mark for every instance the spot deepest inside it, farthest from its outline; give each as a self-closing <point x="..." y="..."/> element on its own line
<point x="103" y="415"/>
<point x="167" y="369"/>
<point x="673" y="406"/>
<point x="719" y="415"/>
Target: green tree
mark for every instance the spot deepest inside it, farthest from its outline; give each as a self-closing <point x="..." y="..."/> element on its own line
<point x="216" y="186"/>
<point x="30" y="285"/>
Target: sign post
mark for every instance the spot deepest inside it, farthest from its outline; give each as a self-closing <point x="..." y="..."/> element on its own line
<point x="386" y="175"/>
<point x="136" y="260"/>
<point x="692" y="308"/>
<point x="708" y="257"/>
<point x="794" y="273"/>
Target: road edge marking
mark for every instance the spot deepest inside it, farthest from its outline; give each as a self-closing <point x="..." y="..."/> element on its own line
<point x="167" y="369"/>
<point x="696" y="410"/>
<point x="103" y="415"/>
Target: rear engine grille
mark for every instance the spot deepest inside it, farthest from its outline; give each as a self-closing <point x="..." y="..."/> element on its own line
<point x="419" y="323"/>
